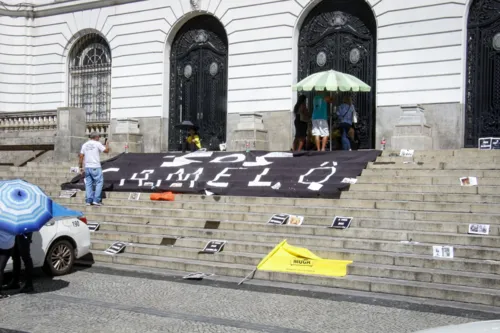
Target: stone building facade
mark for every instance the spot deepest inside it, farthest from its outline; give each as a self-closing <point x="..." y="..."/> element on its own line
<point x="140" y="67"/>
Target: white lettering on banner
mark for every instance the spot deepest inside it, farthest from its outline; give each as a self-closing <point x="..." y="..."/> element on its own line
<point x="236" y="158"/>
<point x="185" y="160"/>
<point x="111" y="170"/>
<point x="323" y="167"/>
<point x="256" y="182"/>
<point x="222" y="174"/>
<point x="180" y="173"/>
<point x="261" y="160"/>
<point x="146" y="174"/>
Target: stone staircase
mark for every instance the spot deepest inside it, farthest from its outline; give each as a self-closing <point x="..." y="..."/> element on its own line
<point x="401" y="208"/>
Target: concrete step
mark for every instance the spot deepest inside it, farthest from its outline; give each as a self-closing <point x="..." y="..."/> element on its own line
<point x="422" y="197"/>
<point x="42" y="182"/>
<point x="305" y="229"/>
<point x="313" y="215"/>
<point x="432" y="173"/>
<point x="35" y="175"/>
<point x="435" y="159"/>
<point x="423" y="180"/>
<point x="337" y="240"/>
<point x="53" y="164"/>
<point x="436" y="189"/>
<point x="467" y="152"/>
<point x="357" y="255"/>
<point x="433" y="166"/>
<point x="325" y="238"/>
<point x="213" y="199"/>
<point x="374" y="284"/>
<point x="241" y="255"/>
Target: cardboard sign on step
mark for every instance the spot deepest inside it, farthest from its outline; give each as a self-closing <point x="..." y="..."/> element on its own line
<point x="279" y="219"/>
<point x="341" y="222"/>
<point x="295" y="220"/>
<point x="468" y="181"/>
<point x="442" y="252"/>
<point x="406" y="152"/>
<point x="214" y="247"/>
<point x="479" y="229"/>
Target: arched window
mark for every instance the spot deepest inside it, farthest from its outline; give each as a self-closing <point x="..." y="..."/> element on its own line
<point x="90" y="77"/>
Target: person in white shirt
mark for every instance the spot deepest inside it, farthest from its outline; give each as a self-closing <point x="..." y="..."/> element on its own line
<point x="90" y="167"/>
<point x="7" y="242"/>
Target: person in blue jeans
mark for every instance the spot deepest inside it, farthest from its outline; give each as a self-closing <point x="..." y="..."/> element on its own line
<point x="346" y="112"/>
<point x="90" y="158"/>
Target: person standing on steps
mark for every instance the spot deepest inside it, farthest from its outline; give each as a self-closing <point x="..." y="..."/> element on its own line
<point x="22" y="250"/>
<point x="301" y="121"/>
<point x="7" y="242"/>
<point x="90" y="158"/>
<point x="320" y="128"/>
<point x="346" y="113"/>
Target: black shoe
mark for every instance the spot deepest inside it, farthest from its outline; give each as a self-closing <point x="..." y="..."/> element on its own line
<point x="12" y="285"/>
<point x="27" y="288"/>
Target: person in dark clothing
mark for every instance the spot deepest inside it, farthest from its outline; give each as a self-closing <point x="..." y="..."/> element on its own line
<point x="301" y="122"/>
<point x="6" y="245"/>
<point x="22" y="250"/>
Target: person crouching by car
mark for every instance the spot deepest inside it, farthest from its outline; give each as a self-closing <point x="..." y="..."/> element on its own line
<point x="7" y="242"/>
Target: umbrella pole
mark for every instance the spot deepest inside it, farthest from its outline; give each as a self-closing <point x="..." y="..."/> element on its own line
<point x="331" y="117"/>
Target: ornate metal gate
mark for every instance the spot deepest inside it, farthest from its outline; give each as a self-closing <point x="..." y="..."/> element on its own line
<point x="482" y="109"/>
<point x="341" y="41"/>
<point x="198" y="85"/>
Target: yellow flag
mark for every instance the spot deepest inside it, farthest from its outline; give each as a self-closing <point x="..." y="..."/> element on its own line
<point x="291" y="259"/>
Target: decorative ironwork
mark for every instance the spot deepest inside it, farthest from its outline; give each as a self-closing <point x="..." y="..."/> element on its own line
<point x="198" y="82"/>
<point x="482" y="108"/>
<point x="349" y="46"/>
<point x="90" y="77"/>
<point x="496" y="42"/>
<point x="195" y="4"/>
<point x="321" y="59"/>
<point x="214" y="69"/>
<point x="354" y="55"/>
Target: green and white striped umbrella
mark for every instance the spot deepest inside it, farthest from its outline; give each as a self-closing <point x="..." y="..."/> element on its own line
<point x="331" y="81"/>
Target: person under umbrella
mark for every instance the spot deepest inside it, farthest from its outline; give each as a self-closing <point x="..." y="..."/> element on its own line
<point x="193" y="140"/>
<point x="24" y="209"/>
<point x="6" y="244"/>
<point x="22" y="250"/>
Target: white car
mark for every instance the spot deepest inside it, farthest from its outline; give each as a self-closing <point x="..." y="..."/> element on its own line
<point x="58" y="244"/>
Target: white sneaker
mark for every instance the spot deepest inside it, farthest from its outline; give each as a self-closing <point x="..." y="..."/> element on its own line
<point x="87" y="204"/>
<point x="96" y="204"/>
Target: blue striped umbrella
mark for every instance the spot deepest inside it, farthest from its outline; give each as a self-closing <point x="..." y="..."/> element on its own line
<point x="24" y="207"/>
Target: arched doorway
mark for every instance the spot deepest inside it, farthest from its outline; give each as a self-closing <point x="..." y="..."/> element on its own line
<point x="341" y="35"/>
<point x="90" y="77"/>
<point x="482" y="109"/>
<point x="198" y="81"/>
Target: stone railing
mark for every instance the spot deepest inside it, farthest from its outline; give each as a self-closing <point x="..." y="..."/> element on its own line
<point x="28" y="121"/>
<point x="100" y="127"/>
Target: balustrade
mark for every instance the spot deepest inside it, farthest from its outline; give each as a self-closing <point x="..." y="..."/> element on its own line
<point x="101" y="128"/>
<point x="28" y="121"/>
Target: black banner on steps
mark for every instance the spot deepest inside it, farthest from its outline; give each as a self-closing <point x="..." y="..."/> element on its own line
<point x="261" y="174"/>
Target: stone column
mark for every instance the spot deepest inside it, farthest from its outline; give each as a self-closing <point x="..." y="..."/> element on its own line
<point x="250" y="133"/>
<point x="126" y="133"/>
<point x="71" y="133"/>
<point x="412" y="131"/>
